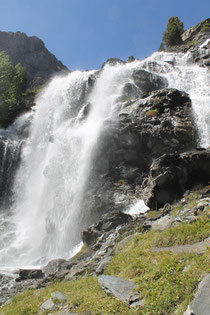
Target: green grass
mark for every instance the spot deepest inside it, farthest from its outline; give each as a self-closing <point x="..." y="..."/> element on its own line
<point x="205" y="27"/>
<point x="159" y="276"/>
<point x="186" y="233"/>
<point x="83" y="295"/>
<point x="165" y="280"/>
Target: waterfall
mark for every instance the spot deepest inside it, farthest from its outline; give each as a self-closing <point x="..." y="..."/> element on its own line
<point x="56" y="163"/>
<point x="46" y="219"/>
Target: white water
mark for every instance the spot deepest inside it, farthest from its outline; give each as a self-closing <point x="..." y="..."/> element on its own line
<point x="46" y="220"/>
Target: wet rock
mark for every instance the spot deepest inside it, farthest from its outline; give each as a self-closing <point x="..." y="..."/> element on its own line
<point x="120" y="288"/>
<point x="113" y="62"/>
<point x="108" y="222"/>
<point x="147" y="81"/>
<point x="25" y="274"/>
<point x="201" y="302"/>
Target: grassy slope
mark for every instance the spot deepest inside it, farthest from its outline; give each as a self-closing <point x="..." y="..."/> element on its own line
<point x="166" y="281"/>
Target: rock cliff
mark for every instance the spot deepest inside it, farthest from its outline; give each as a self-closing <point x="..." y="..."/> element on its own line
<point x="31" y="52"/>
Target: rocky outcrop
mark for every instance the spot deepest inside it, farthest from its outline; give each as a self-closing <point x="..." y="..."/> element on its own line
<point x="197" y="33"/>
<point x="172" y="174"/>
<point x="31" y="52"/>
<point x="148" y="128"/>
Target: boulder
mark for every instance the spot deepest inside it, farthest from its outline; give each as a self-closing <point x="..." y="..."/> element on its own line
<point x="25" y="274"/>
<point x="53" y="266"/>
<point x="120" y="288"/>
<point x="48" y="305"/>
<point x="201" y="303"/>
<point x="172" y="174"/>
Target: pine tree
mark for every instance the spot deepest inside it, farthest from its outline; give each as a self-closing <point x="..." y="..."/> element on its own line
<point x="173" y="32"/>
<point x="161" y="48"/>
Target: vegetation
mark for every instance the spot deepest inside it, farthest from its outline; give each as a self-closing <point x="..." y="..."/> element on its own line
<point x="173" y="32"/>
<point x="165" y="280"/>
<point x="162" y="47"/>
<point x="185" y="233"/>
<point x="12" y="88"/>
<point x="206" y="26"/>
<point x="152" y="112"/>
<point x="83" y="295"/>
<point x="131" y="59"/>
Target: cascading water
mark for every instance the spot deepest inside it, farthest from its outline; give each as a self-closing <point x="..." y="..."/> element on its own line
<point x="182" y="74"/>
<point x="56" y="160"/>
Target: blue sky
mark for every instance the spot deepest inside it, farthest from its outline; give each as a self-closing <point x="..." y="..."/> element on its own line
<point x="84" y="33"/>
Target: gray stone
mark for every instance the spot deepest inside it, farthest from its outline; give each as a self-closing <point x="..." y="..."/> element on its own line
<point x="138" y="303"/>
<point x="76" y="270"/>
<point x="120" y="288"/>
<point x="58" y="296"/>
<point x="48" y="305"/>
<point x="163" y="223"/>
<point x="102" y="265"/>
<point x="201" y="302"/>
<point x="53" y="266"/>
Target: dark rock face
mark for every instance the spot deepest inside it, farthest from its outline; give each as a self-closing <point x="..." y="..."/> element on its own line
<point x="172" y="174"/>
<point x="161" y="123"/>
<point x="31" y="52"/>
<point x="148" y="128"/>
